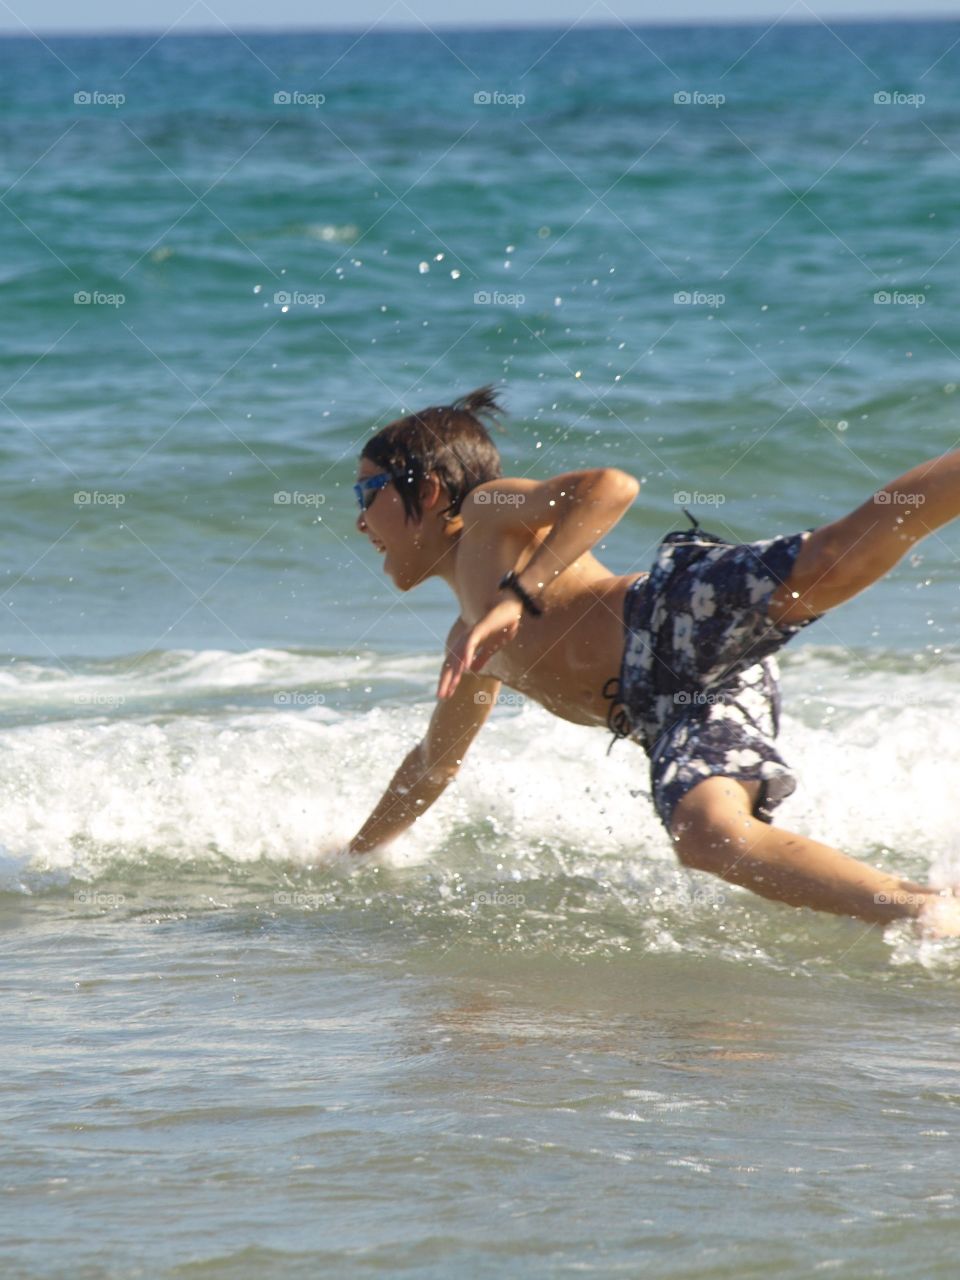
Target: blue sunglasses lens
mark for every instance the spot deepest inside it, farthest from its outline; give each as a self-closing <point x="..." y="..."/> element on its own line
<point x="365" y="489"/>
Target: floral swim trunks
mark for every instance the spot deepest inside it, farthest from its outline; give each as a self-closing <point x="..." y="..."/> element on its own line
<point x="698" y="681"/>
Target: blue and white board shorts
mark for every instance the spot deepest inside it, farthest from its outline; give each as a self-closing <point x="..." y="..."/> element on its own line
<point x="698" y="681"/>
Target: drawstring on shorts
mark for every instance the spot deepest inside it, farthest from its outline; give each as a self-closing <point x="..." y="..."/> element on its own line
<point x="618" y="716"/>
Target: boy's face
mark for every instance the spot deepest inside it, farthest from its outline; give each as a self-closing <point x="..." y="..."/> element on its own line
<point x="384" y="523"/>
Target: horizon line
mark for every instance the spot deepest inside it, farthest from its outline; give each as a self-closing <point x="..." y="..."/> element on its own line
<point x="224" y="29"/>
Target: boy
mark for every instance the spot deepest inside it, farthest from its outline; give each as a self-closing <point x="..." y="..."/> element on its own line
<point x="679" y="659"/>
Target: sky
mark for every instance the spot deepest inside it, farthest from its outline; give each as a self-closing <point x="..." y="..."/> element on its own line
<point x="49" y="16"/>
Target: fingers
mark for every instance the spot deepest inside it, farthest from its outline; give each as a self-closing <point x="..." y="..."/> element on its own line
<point x="471" y="652"/>
<point x="453" y="669"/>
<point x="940" y="918"/>
<point x="448" y="679"/>
<point x="483" y="655"/>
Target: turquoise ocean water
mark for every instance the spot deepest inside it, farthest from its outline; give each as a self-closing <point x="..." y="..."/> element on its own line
<point x="528" y="1044"/>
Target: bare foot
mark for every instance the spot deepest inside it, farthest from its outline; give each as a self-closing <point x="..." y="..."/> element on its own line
<point x="940" y="917"/>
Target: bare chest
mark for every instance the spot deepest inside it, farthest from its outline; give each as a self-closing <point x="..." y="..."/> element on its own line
<point x="562" y="658"/>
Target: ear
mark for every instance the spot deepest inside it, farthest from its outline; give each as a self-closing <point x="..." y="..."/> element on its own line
<point x="432" y="497"/>
<point x="431" y="492"/>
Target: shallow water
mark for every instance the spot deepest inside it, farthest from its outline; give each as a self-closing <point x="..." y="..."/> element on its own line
<point x="524" y="1042"/>
<point x="218" y="1089"/>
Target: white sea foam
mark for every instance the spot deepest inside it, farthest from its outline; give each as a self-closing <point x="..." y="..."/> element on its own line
<point x="876" y="753"/>
<point x="25" y="682"/>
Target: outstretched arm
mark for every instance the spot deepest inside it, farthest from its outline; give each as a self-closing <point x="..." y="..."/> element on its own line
<point x="428" y="769"/>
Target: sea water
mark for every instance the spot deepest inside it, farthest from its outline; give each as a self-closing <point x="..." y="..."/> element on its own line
<point x="524" y="1042"/>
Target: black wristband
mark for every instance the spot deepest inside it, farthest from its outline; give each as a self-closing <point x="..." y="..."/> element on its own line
<point x="510" y="582"/>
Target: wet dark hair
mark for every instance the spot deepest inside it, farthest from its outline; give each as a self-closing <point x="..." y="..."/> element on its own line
<point x="449" y="440"/>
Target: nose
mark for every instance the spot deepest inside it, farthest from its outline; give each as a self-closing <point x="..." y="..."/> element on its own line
<point x="361" y="523"/>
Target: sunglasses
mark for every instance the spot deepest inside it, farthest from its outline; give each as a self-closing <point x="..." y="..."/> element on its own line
<point x="366" y="490"/>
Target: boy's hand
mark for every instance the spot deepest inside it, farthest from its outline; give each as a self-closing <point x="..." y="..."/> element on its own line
<point x="469" y="648"/>
<point x="939" y="917"/>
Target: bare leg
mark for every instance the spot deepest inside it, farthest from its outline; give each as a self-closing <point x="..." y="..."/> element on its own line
<point x="839" y="560"/>
<point x="713" y="830"/>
